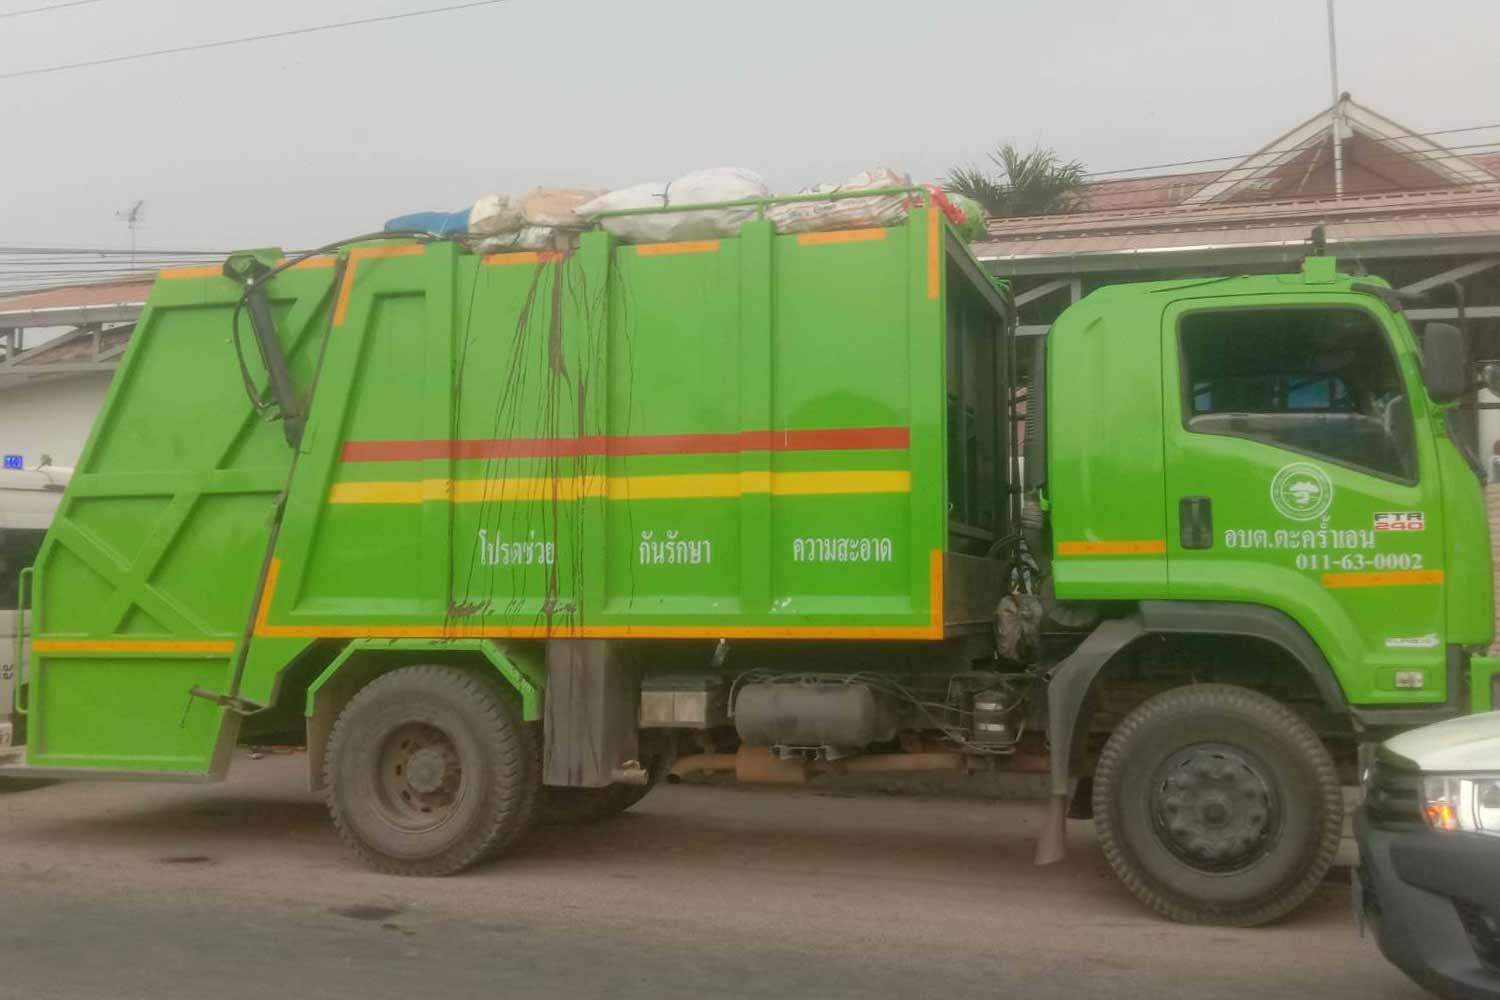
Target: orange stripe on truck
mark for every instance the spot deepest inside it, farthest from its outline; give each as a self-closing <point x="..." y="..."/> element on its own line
<point x="1142" y="547"/>
<point x="934" y="257"/>
<point x="211" y="646"/>
<point x="457" y="630"/>
<point x="522" y="257"/>
<point x="363" y="253"/>
<point x="1396" y="578"/>
<point x="841" y="236"/>
<point x="215" y="271"/>
<point x="671" y="249"/>
<point x="207" y="271"/>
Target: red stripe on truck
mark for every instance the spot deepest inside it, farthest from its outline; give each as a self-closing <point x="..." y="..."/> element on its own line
<point x="833" y="439"/>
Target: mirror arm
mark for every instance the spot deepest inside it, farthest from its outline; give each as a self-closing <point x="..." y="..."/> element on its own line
<point x="1395" y="298"/>
<point x="1458" y="300"/>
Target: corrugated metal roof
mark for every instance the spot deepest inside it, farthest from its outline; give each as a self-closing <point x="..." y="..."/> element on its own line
<point x="1144" y="192"/>
<point x="1434" y="214"/>
<point x="35" y="308"/>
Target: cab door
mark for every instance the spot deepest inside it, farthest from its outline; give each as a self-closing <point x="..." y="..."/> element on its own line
<point x="1299" y="479"/>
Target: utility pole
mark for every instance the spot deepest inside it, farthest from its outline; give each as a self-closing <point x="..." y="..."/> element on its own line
<point x="1338" y="107"/>
<point x="132" y="217"/>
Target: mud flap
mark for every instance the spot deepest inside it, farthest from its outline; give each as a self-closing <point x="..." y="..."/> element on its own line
<point x="592" y="713"/>
<point x="1067" y="690"/>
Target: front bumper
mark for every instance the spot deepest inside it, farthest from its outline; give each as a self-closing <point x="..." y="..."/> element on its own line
<point x="1433" y="901"/>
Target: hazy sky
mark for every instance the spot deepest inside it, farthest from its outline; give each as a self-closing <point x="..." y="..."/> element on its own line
<point x="303" y="140"/>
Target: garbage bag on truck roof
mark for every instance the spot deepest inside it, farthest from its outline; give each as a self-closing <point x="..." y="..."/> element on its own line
<point x="973" y="227"/>
<point x="439" y="223"/>
<point x="845" y="213"/>
<point x="556" y="207"/>
<point x="528" y="238"/>
<point x="549" y="221"/>
<point x="713" y="185"/>
<point x="496" y="213"/>
<point x="492" y="214"/>
<point x="531" y="219"/>
<point x="550" y="208"/>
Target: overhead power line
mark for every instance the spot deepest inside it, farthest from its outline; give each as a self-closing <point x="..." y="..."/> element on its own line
<point x="43" y="10"/>
<point x="247" y="39"/>
<point x="39" y="247"/>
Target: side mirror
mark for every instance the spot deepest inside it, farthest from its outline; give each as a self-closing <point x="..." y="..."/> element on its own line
<point x="1445" y="362"/>
<point x="1492" y="378"/>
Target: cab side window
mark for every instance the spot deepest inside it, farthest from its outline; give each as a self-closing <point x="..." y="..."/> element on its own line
<point x="1322" y="382"/>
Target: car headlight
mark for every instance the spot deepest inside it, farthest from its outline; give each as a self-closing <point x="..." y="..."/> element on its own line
<point x="1470" y="804"/>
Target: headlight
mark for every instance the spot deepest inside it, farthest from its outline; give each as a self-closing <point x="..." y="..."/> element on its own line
<point x="1471" y="804"/>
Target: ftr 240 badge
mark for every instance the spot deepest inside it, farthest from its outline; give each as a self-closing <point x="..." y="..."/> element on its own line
<point x="1413" y="520"/>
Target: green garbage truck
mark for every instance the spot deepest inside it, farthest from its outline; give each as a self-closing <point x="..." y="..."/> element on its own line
<point x="504" y="538"/>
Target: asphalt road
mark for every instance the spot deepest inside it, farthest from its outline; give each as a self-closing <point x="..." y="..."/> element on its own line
<point x="242" y="890"/>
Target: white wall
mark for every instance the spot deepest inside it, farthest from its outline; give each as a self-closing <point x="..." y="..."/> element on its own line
<point x="50" y="417"/>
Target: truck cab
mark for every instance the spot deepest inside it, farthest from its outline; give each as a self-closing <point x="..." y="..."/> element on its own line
<point x="1266" y="447"/>
<point x="1271" y="545"/>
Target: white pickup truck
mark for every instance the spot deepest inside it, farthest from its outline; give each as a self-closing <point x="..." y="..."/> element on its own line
<point x="28" y="499"/>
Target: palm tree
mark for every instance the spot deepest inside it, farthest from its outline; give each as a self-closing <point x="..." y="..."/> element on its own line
<point x="1034" y="183"/>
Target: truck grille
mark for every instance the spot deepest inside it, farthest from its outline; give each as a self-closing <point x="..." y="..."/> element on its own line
<point x="1394" y="795"/>
<point x="1484" y="933"/>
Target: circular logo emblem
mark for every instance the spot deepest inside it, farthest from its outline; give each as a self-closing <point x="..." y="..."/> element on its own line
<point x="1301" y="491"/>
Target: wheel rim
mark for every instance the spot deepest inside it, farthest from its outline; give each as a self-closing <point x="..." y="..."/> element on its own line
<point x="1216" y="807"/>
<point x="420" y="778"/>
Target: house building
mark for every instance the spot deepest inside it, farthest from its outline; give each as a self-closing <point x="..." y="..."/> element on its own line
<point x="1423" y="215"/>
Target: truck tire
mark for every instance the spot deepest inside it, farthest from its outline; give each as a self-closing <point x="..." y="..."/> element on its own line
<point x="429" y="770"/>
<point x="590" y="805"/>
<point x="531" y="806"/>
<point x="1217" y="805"/>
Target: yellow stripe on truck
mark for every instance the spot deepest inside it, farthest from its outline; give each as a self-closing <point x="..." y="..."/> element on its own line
<point x="691" y="486"/>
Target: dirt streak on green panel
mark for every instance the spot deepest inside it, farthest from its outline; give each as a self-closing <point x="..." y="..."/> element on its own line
<point x="609" y="458"/>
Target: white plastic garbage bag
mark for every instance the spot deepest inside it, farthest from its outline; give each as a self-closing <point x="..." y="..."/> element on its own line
<point x="528" y="238"/>
<point x="845" y="213"/>
<point x="713" y="185"/>
<point x="556" y="207"/>
<point x="495" y="213"/>
<point x="539" y="208"/>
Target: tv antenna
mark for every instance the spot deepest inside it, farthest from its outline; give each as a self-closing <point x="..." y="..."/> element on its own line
<point x="132" y="218"/>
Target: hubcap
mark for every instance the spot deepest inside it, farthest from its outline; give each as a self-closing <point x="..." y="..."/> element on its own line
<point x="420" y="777"/>
<point x="1215" y="807"/>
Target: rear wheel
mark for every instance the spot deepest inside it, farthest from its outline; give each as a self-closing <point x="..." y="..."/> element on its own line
<point x="1217" y="805"/>
<point x="428" y="771"/>
<point x="531" y="805"/>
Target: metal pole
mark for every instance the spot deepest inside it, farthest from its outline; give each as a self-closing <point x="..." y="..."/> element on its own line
<point x="1338" y="107"/>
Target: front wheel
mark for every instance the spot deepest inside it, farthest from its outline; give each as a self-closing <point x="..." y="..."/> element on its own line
<point x="1217" y="805"/>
